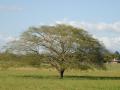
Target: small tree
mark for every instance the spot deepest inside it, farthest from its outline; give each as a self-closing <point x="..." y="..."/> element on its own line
<point x="108" y="56"/>
<point x="116" y="55"/>
<point x="64" y="46"/>
<point x="7" y="60"/>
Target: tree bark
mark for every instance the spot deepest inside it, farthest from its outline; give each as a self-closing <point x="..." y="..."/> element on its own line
<point x="62" y="73"/>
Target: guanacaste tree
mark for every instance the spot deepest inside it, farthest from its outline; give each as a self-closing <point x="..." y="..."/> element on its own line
<point x="64" y="46"/>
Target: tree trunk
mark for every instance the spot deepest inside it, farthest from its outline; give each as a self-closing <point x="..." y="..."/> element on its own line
<point x="61" y="73"/>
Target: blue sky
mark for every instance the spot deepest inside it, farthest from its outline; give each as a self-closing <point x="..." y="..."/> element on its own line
<point x="99" y="17"/>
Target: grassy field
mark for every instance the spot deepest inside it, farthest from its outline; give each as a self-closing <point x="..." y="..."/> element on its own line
<point x="47" y="79"/>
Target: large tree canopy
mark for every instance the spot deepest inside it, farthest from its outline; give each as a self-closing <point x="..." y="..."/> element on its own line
<point x="64" y="46"/>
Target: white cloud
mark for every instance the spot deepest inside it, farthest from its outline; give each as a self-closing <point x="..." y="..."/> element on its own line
<point x="6" y="38"/>
<point x="10" y="8"/>
<point x="112" y="44"/>
<point x="93" y="26"/>
<point x="10" y="38"/>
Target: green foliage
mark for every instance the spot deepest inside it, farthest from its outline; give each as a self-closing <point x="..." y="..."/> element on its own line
<point x="8" y="60"/>
<point x="31" y="60"/>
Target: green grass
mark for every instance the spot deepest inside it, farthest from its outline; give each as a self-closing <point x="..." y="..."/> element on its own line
<point x="47" y="79"/>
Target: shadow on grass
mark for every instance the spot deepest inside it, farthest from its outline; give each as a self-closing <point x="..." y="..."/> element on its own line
<point x="71" y="77"/>
<point x="93" y="77"/>
<point x="38" y="76"/>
